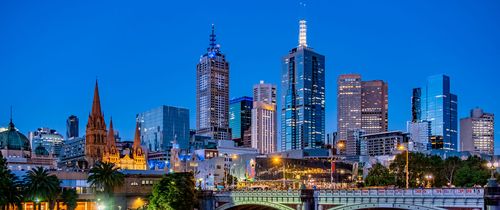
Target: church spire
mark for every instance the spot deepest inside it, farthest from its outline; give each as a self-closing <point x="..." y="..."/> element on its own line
<point x="96" y="104"/>
<point x="137" y="138"/>
<point x="302" y="33"/>
<point x="111" y="135"/>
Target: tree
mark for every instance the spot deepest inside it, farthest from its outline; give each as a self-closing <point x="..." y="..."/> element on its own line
<point x="9" y="186"/>
<point x="104" y="177"/>
<point x="451" y="165"/>
<point x="471" y="173"/>
<point x="379" y="175"/>
<point x="174" y="191"/>
<point x="41" y="186"/>
<point x="69" y="198"/>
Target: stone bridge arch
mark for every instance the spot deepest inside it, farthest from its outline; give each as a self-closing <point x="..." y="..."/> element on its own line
<point x="260" y="203"/>
<point x="384" y="205"/>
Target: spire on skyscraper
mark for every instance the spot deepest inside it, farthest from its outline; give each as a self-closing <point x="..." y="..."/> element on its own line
<point x="213" y="45"/>
<point x="302" y="33"/>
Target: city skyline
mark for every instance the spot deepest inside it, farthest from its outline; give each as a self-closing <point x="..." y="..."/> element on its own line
<point x="115" y="88"/>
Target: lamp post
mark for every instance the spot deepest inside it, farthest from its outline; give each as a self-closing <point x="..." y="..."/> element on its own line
<point x="277" y="159"/>
<point x="492" y="165"/>
<point x="403" y="148"/>
<point x="429" y="178"/>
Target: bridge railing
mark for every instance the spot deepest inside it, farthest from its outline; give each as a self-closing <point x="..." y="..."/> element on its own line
<point x="434" y="192"/>
<point x="426" y="192"/>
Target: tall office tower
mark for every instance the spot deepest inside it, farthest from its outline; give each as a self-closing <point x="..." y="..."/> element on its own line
<point x="72" y="127"/>
<point x="48" y="138"/>
<point x="95" y="135"/>
<point x="212" y="93"/>
<point x="348" y="104"/>
<point x="416" y="103"/>
<point x="374" y="106"/>
<point x="477" y="132"/>
<point x="160" y="126"/>
<point x="264" y="118"/>
<point x="303" y="97"/>
<point x="361" y="105"/>
<point x="439" y="107"/>
<point x="240" y="120"/>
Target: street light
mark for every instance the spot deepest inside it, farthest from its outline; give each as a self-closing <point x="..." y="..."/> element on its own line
<point x="401" y="147"/>
<point x="276" y="160"/>
<point x="492" y="165"/>
<point x="429" y="177"/>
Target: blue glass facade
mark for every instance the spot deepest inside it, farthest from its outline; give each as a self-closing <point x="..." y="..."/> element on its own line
<point x="160" y="125"/>
<point x="303" y="100"/>
<point x="439" y="107"/>
<point x="240" y="116"/>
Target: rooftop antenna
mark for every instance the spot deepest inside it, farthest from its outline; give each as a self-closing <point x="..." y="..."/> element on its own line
<point x="302" y="26"/>
<point x="10" y="113"/>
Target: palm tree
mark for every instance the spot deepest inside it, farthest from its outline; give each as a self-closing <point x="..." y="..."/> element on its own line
<point x="9" y="186"/>
<point x="69" y="198"/>
<point x="41" y="186"/>
<point x="105" y="177"/>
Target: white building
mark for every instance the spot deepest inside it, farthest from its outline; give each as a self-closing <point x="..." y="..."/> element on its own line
<point x="477" y="132"/>
<point x="264" y="118"/>
<point x="419" y="133"/>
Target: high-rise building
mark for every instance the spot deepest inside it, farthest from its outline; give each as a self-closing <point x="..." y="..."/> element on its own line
<point x="361" y="105"/>
<point x="439" y="107"/>
<point x="416" y="103"/>
<point x="419" y="136"/>
<point x="50" y="139"/>
<point x="161" y="125"/>
<point x="95" y="135"/>
<point x="264" y="118"/>
<point x="240" y="120"/>
<point x="212" y="93"/>
<point x="303" y="97"/>
<point x="477" y="132"/>
<point x="374" y="106"/>
<point x="72" y="126"/>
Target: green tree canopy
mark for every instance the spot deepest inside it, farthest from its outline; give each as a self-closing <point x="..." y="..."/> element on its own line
<point x="9" y="184"/>
<point x="42" y="186"/>
<point x="379" y="176"/>
<point x="69" y="198"/>
<point x="174" y="191"/>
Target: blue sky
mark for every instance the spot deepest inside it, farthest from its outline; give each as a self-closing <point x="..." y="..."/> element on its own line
<point x="145" y="52"/>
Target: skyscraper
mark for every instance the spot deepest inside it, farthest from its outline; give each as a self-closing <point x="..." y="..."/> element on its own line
<point x="264" y="118"/>
<point x="159" y="127"/>
<point x="439" y="107"/>
<point x="374" y="106"/>
<point x="95" y="135"/>
<point x="303" y="96"/>
<point x="72" y="127"/>
<point x="362" y="106"/>
<point x="348" y="104"/>
<point x="416" y="103"/>
<point x="240" y="120"/>
<point x="477" y="132"/>
<point x="50" y="139"/>
<point x="212" y="93"/>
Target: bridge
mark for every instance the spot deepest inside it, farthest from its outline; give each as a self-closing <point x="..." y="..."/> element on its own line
<point x="421" y="199"/>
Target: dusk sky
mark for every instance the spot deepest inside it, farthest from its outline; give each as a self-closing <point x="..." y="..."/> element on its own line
<point x="144" y="53"/>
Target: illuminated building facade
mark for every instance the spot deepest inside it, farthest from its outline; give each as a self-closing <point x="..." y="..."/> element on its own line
<point x="134" y="159"/>
<point x="212" y="93"/>
<point x="95" y="135"/>
<point x="439" y="107"/>
<point x="477" y="132"/>
<point x="264" y="118"/>
<point x="240" y="120"/>
<point x="361" y="105"/>
<point x="50" y="139"/>
<point x="303" y="97"/>
<point x="159" y="126"/>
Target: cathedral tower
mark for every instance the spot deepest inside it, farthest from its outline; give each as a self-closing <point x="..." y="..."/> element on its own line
<point x="95" y="134"/>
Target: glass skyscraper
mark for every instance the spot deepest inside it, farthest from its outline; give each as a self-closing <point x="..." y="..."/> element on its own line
<point x="160" y="126"/>
<point x="439" y="107"/>
<point x="303" y="97"/>
<point x="240" y="120"/>
<point x="72" y="127"/>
